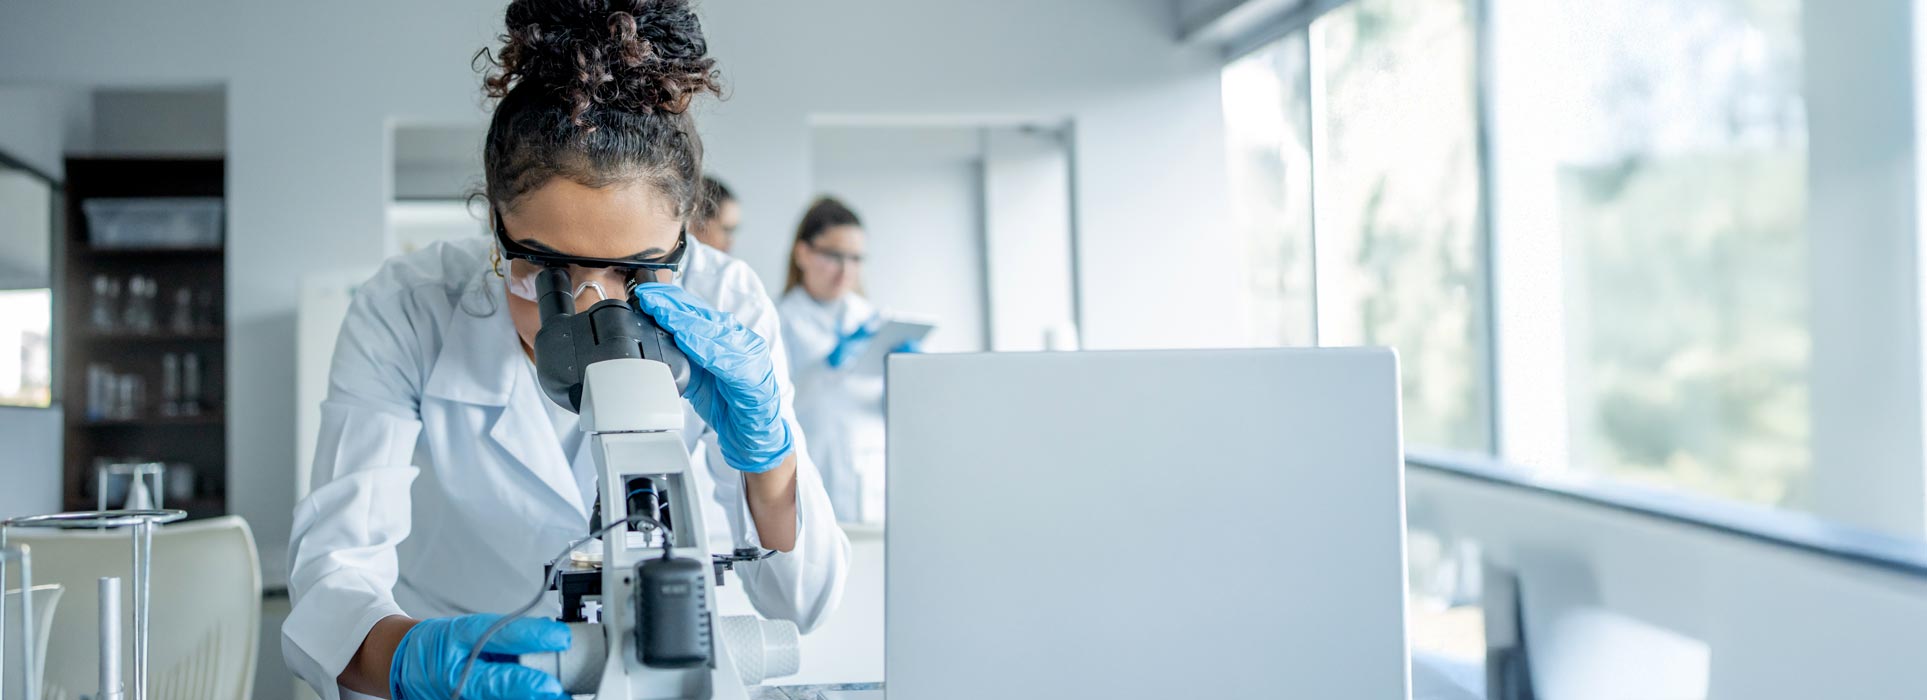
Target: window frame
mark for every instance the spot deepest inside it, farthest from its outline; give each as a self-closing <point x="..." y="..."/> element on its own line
<point x="56" y="273"/>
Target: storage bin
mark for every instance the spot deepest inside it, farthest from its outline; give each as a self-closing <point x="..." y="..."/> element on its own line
<point x="153" y="222"/>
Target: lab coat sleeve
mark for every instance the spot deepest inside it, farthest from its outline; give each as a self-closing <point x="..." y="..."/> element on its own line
<point x="343" y="564"/>
<point x="805" y="584"/>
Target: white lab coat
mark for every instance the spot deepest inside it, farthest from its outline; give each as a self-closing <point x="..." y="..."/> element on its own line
<point x="441" y="488"/>
<point x="840" y="408"/>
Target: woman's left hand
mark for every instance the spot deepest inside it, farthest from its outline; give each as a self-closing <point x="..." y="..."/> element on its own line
<point x="732" y="382"/>
<point x="848" y="346"/>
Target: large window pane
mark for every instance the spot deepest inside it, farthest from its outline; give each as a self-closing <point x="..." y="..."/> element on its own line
<point x="1268" y="132"/>
<point x="1400" y="247"/>
<point x="1678" y="147"/>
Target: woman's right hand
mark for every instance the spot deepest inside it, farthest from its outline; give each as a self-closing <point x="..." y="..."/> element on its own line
<point x="849" y="346"/>
<point x="428" y="662"/>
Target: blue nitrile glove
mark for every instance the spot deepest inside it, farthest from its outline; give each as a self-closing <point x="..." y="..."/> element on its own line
<point x="848" y="346"/>
<point x="429" y="660"/>
<point x="732" y="383"/>
<point x="909" y="346"/>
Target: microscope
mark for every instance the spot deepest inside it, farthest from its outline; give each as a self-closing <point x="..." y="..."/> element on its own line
<point x="642" y="613"/>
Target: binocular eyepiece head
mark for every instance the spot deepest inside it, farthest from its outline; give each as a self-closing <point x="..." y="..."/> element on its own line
<point x="569" y="342"/>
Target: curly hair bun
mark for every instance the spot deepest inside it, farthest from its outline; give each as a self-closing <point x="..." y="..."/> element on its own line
<point x="640" y="56"/>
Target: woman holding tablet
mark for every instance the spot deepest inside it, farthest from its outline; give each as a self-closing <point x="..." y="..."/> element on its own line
<point x="827" y="327"/>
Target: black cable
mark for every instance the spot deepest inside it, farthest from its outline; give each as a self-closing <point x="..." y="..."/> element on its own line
<point x="555" y="572"/>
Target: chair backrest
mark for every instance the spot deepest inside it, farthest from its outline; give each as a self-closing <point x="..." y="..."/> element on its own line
<point x="46" y="598"/>
<point x="205" y="619"/>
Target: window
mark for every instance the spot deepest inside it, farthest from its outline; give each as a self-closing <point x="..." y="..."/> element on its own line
<point x="1674" y="135"/>
<point x="1354" y="165"/>
<point x="1267" y="107"/>
<point x="1655" y="150"/>
<point x="26" y="295"/>
<point x="1400" y="249"/>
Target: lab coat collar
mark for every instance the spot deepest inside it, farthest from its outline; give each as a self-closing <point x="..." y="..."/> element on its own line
<point x="481" y="354"/>
<point x="482" y="363"/>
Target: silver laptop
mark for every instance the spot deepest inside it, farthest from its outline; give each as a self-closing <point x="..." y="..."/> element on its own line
<point x="1165" y="524"/>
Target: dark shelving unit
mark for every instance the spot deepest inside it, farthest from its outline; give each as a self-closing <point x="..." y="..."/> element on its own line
<point x="199" y="441"/>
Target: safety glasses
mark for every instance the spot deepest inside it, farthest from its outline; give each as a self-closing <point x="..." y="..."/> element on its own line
<point x="525" y="262"/>
<point x="836" y="257"/>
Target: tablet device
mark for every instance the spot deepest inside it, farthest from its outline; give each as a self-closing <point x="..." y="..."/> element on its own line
<point x="895" y="332"/>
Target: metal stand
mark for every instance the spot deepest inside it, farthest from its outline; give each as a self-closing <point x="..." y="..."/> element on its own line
<point x="141" y="524"/>
<point x="21" y="554"/>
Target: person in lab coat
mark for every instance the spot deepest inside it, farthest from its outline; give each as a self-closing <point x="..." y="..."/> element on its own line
<point x="444" y="478"/>
<point x="826" y="326"/>
<point x="717" y="216"/>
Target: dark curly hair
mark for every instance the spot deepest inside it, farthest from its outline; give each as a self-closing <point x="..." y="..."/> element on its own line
<point x="597" y="91"/>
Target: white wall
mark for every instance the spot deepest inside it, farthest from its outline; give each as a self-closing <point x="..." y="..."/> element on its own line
<point x="1027" y="229"/>
<point x="39" y="124"/>
<point x="313" y="88"/>
<point x="919" y="192"/>
<point x="1150" y="167"/>
<point x="175" y="122"/>
<point x="438" y="162"/>
<point x="32" y="437"/>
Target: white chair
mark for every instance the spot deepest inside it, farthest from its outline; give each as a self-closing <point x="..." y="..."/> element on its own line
<point x="205" y="616"/>
<point x="46" y="597"/>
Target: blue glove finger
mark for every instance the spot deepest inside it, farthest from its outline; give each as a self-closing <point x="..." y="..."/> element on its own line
<point x="712" y="339"/>
<point x="528" y="636"/>
<point x="511" y="682"/>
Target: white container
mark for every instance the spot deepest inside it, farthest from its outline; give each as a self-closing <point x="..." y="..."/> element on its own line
<point x="153" y="222"/>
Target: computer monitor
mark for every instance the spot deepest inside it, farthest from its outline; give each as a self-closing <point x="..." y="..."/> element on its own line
<point x="1160" y="524"/>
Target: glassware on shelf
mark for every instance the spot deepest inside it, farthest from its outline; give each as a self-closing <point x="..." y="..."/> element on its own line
<point x="103" y="315"/>
<point x="170" y="385"/>
<point x="113" y="396"/>
<point x="180" y="482"/>
<point x="99" y="388"/>
<point x="190" y="404"/>
<point x="181" y="318"/>
<point x="130" y="397"/>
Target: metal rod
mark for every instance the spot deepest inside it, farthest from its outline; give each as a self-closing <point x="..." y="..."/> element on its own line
<point x="110" y="684"/>
<point x="28" y="652"/>
<point x="5" y="554"/>
<point x="143" y="559"/>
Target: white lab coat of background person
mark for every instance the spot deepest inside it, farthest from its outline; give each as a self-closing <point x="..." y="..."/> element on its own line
<point x="841" y="409"/>
<point x="441" y="486"/>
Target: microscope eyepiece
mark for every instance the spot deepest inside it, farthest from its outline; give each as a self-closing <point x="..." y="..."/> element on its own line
<point x="552" y="295"/>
